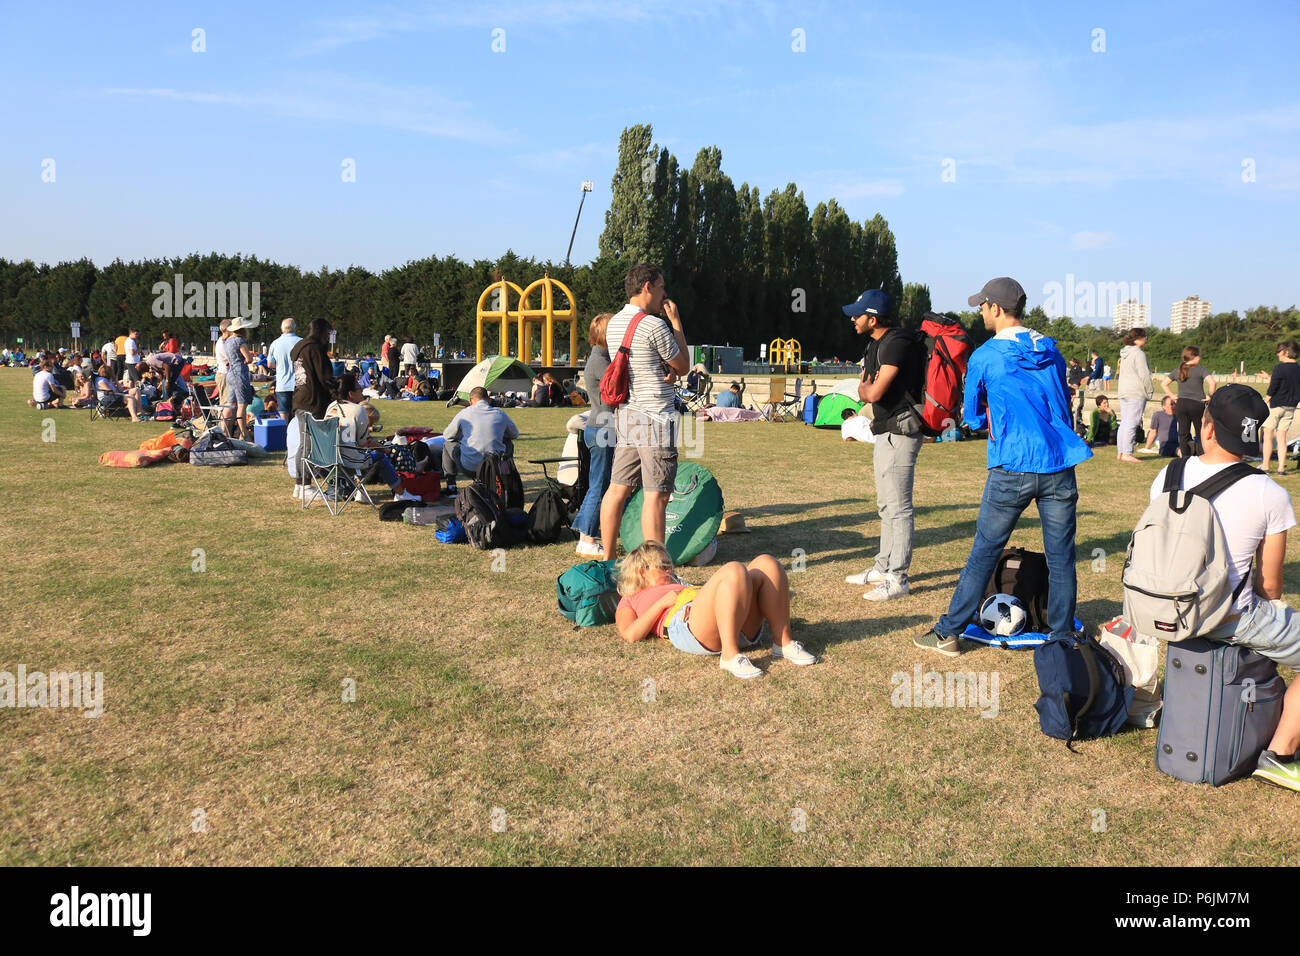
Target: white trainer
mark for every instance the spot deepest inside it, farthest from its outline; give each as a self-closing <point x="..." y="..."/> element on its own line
<point x="741" y="666"/>
<point x="297" y="492"/>
<point x="793" y="652"/>
<point x="887" y="590"/>
<point x="866" y="577"/>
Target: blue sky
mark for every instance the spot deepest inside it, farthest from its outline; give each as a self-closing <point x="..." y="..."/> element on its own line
<point x="1117" y="166"/>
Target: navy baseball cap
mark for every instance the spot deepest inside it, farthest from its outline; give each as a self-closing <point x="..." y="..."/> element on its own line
<point x="1239" y="414"/>
<point x="871" y="302"/>
<point x="1004" y="291"/>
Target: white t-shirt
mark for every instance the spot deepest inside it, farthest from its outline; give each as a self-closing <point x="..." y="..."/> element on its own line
<point x="108" y="352"/>
<point x="132" y="351"/>
<point x="410" y="354"/>
<point x="41" y="383"/>
<point x="1252" y="508"/>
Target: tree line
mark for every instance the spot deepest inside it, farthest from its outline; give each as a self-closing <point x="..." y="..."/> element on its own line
<point x="744" y="268"/>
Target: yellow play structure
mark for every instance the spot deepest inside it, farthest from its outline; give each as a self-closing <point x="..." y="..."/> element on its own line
<point x="528" y="318"/>
<point x="785" y="352"/>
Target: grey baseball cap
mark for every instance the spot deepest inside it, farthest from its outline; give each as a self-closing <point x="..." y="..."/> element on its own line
<point x="1003" y="291"/>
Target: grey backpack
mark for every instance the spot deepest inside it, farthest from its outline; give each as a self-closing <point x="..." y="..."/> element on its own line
<point x="1176" y="569"/>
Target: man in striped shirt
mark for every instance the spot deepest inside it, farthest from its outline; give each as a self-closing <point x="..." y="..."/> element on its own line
<point x="646" y="426"/>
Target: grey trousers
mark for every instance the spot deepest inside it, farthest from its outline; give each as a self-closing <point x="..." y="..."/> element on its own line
<point x="894" y="458"/>
<point x="1130" y="417"/>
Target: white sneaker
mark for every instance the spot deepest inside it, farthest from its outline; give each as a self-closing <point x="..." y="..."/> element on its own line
<point x="589" y="549"/>
<point x="887" y="590"/>
<point x="309" y="494"/>
<point x="407" y="496"/>
<point x="741" y="667"/>
<point x="866" y="577"/>
<point x="794" y="653"/>
<point x="297" y="492"/>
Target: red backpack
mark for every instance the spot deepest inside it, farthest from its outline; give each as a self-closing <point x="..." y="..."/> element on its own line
<point x="614" y="383"/>
<point x="947" y="352"/>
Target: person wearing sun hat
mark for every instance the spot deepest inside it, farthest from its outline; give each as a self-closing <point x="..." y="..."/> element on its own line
<point x="1255" y="514"/>
<point x="1015" y="386"/>
<point x="239" y="384"/>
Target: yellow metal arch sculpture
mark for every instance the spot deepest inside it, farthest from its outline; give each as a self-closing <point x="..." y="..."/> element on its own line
<point x="502" y="316"/>
<point x="544" y="317"/>
<point x="785" y="352"/>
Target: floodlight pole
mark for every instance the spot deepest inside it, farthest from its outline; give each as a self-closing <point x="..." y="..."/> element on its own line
<point x="586" y="188"/>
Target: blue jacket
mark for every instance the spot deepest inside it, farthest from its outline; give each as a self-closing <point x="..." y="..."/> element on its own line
<point x="1015" y="386"/>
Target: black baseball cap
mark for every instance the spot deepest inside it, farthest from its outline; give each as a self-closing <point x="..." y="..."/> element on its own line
<point x="1003" y="291"/>
<point x="1239" y="414"/>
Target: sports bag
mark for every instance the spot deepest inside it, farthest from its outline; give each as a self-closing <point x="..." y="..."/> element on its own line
<point x="587" y="593"/>
<point x="947" y="352"/>
<point x="497" y="472"/>
<point x="1082" y="691"/>
<point x="549" y="515"/>
<point x="1176" y="567"/>
<point x="614" y="383"/>
<point x="214" y="448"/>
<point x="1023" y="574"/>
<point x="1222" y="705"/>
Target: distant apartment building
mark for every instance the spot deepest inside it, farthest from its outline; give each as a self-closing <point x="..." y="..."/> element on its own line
<point x="1187" y="314"/>
<point x="1130" y="315"/>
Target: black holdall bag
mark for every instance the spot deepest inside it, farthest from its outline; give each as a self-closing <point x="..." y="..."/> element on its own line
<point x="1023" y="575"/>
<point x="549" y="515"/>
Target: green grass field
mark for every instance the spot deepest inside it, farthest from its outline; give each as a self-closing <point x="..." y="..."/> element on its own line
<point x="226" y="622"/>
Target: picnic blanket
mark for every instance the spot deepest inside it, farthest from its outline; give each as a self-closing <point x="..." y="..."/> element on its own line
<point x="715" y="414"/>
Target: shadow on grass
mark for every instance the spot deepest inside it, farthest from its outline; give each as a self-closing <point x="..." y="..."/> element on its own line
<point x="860" y="629"/>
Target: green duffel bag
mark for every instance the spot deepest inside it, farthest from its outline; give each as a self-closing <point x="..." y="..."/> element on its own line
<point x="588" y="593"/>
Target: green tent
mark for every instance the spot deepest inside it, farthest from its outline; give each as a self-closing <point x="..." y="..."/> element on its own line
<point x="497" y="373"/>
<point x="830" y="410"/>
<point x="694" y="514"/>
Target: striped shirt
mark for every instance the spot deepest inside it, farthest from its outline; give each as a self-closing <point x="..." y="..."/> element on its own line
<point x="653" y="345"/>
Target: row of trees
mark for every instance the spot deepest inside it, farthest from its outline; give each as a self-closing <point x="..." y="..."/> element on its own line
<point x="745" y="269"/>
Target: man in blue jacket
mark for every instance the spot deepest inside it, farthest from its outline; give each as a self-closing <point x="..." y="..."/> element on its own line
<point x="1015" y="386"/>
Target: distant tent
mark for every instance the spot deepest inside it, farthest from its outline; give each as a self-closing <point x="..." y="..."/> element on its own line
<point x="830" y="410"/>
<point x="497" y="373"/>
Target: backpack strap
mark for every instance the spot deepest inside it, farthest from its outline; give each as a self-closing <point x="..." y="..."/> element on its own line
<point x="1174" y="475"/>
<point x="1224" y="479"/>
<point x="626" y="347"/>
<point x="1094" y="679"/>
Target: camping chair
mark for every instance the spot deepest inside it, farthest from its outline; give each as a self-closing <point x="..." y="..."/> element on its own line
<point x="206" y="410"/>
<point x="775" y="395"/>
<point x="792" y="404"/>
<point x="320" y="460"/>
<point x="109" y="406"/>
<point x="696" y="400"/>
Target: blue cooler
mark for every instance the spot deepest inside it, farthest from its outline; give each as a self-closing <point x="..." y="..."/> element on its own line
<point x="270" y="433"/>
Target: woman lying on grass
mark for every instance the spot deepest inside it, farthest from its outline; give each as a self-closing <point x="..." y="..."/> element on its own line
<point x="714" y="619"/>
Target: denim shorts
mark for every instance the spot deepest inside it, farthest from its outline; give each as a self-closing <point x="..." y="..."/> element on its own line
<point x="680" y="636"/>
<point x="1271" y="629"/>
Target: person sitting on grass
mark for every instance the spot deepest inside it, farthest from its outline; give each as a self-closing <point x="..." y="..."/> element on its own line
<point x="46" y="391"/>
<point x="731" y="397"/>
<point x="357" y="450"/>
<point x="476" y="431"/>
<point x="85" y="391"/>
<point x="1255" y="514"/>
<point x="1103" y="421"/>
<point x="717" y="618"/>
<point x="1164" y="427"/>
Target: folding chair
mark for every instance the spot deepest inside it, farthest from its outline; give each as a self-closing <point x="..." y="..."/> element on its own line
<point x="790" y="404"/>
<point x="206" y="410"/>
<point x="320" y="451"/>
<point x="696" y="400"/>
<point x="775" y="395"/>
<point x="108" y="407"/>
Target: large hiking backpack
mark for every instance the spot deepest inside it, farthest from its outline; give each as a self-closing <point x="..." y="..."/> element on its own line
<point x="1023" y="574"/>
<point x="549" y="515"/>
<point x="497" y="472"/>
<point x="947" y="351"/>
<point x="1176" y="568"/>
<point x="587" y="593"/>
<point x="1082" y="690"/>
<point x="615" y="382"/>
<point x="484" y="519"/>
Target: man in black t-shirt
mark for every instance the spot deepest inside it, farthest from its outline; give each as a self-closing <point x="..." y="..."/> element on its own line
<point x="893" y="381"/>
<point x="1283" y="397"/>
<point x="1074" y="378"/>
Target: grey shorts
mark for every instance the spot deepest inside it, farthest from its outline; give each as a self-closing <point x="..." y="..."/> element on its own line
<point x="646" y="454"/>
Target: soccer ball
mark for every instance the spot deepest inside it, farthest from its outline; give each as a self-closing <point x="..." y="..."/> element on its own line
<point x="1002" y="615"/>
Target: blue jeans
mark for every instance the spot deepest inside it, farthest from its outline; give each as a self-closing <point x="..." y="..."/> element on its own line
<point x="386" y="472"/>
<point x="601" y="442"/>
<point x="1006" y="495"/>
<point x="285" y="402"/>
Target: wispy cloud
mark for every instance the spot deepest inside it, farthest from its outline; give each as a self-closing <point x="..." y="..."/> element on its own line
<point x="865" y="190"/>
<point x="340" y="99"/>
<point x="1091" y="240"/>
